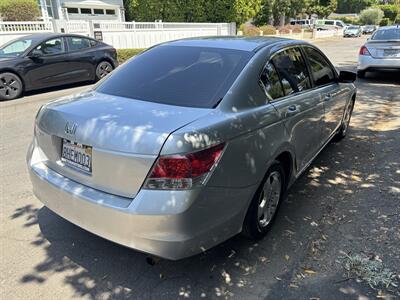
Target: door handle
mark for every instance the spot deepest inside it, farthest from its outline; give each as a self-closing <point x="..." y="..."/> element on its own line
<point x="328" y="97"/>
<point x="292" y="110"/>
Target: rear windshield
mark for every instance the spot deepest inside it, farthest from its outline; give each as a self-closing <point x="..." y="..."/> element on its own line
<point x="352" y="28"/>
<point x="178" y="75"/>
<point x="387" y="34"/>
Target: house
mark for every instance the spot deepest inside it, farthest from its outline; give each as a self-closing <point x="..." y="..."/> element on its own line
<point x="111" y="10"/>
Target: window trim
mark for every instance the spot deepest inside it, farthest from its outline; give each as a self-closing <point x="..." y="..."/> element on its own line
<point x="79" y="37"/>
<point x="52" y="54"/>
<point x="270" y="99"/>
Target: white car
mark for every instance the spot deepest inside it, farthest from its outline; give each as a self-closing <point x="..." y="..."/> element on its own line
<point x="381" y="51"/>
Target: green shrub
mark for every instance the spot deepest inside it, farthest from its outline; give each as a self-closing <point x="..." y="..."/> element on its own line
<point x="268" y="29"/>
<point x="390" y="11"/>
<point x="385" y="22"/>
<point x="371" y="16"/>
<point x="19" y="10"/>
<point x="125" y="54"/>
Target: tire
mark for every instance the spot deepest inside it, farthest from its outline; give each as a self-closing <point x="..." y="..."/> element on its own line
<point x="361" y="74"/>
<point x="11" y="86"/>
<point x="263" y="210"/>
<point x="341" y="134"/>
<point x="103" y="69"/>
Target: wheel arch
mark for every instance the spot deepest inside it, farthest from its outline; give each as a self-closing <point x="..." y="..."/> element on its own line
<point x="13" y="71"/>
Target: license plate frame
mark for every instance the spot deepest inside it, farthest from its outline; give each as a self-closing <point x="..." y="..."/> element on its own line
<point x="391" y="52"/>
<point x="77" y="155"/>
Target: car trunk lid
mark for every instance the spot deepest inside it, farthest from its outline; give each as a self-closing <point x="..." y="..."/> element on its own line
<point x="125" y="137"/>
<point x="384" y="49"/>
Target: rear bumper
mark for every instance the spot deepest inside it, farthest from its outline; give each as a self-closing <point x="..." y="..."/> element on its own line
<point x="366" y="63"/>
<point x="168" y="224"/>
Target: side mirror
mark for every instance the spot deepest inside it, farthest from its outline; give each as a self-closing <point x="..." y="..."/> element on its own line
<point x="347" y="76"/>
<point x="36" y="53"/>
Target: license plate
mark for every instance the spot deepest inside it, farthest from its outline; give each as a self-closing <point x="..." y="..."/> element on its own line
<point x="391" y="52"/>
<point x="77" y="155"/>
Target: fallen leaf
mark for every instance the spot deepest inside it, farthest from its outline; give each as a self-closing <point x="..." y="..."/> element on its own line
<point x="309" y="271"/>
<point x="287" y="257"/>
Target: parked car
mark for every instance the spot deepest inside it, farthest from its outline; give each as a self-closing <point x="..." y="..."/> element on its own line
<point x="352" y="31"/>
<point x="368" y="29"/>
<point x="45" y="60"/>
<point x="329" y="24"/>
<point x="304" y="23"/>
<point x="381" y="51"/>
<point x="190" y="142"/>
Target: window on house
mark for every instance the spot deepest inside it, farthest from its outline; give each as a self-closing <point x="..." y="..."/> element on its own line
<point x="110" y="11"/>
<point x="49" y="8"/>
<point x="98" y="11"/>
<point x="73" y="10"/>
<point x="86" y="11"/>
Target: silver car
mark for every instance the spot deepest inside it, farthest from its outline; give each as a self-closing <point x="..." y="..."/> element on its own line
<point x="381" y="52"/>
<point x="189" y="143"/>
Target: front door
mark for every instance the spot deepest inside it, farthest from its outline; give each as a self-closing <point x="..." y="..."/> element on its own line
<point x="300" y="108"/>
<point x="48" y="67"/>
<point x="332" y="95"/>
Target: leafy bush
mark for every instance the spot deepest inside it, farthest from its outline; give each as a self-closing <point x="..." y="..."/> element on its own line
<point x="125" y="54"/>
<point x="268" y="29"/>
<point x="390" y="11"/>
<point x="385" y="22"/>
<point x="19" y="10"/>
<point x="249" y="30"/>
<point x="371" y="16"/>
<point x="287" y="28"/>
<point x="348" y="20"/>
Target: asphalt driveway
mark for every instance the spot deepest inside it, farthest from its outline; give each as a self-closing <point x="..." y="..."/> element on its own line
<point x="347" y="202"/>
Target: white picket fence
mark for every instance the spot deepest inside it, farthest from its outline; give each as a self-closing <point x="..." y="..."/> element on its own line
<point x="119" y="34"/>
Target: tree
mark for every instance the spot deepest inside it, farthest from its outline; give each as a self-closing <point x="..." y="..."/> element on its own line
<point x="390" y="11"/>
<point x="371" y="16"/>
<point x="354" y="6"/>
<point x="265" y="13"/>
<point x="19" y="10"/>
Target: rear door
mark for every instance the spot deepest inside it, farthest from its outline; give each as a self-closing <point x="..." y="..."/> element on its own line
<point x="300" y="107"/>
<point x="51" y="68"/>
<point x="326" y="86"/>
<point x="81" y="57"/>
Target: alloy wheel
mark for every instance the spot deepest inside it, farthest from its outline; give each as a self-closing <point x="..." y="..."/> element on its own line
<point x="103" y="69"/>
<point x="10" y="86"/>
<point x="347" y="117"/>
<point x="269" y="199"/>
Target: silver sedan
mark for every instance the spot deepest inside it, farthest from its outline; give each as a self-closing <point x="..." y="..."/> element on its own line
<point x="381" y="52"/>
<point x="190" y="142"/>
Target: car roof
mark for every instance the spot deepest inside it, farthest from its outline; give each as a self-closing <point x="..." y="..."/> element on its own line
<point x="250" y="44"/>
<point x="44" y="36"/>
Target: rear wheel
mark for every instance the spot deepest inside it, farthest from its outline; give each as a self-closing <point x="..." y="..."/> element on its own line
<point x="103" y="69"/>
<point x="265" y="204"/>
<point x="341" y="134"/>
<point x="10" y="86"/>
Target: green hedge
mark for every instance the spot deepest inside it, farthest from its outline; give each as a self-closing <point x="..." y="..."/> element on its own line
<point x="125" y="54"/>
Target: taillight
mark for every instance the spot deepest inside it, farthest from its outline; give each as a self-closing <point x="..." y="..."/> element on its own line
<point x="364" y="51"/>
<point x="184" y="171"/>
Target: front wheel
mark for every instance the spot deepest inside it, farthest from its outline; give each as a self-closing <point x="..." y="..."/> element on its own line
<point x="10" y="86"/>
<point x="265" y="204"/>
<point x="103" y="69"/>
<point x="341" y="134"/>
